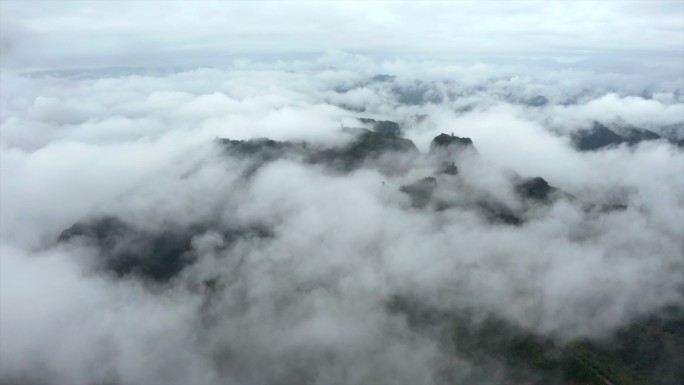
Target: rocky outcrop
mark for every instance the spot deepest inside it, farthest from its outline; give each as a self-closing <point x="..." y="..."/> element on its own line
<point x="448" y="168"/>
<point x="448" y="147"/>
<point x="420" y="191"/>
<point x="125" y="249"/>
<point x="366" y="145"/>
<point x="633" y="135"/>
<point x="600" y="136"/>
<point x="444" y="140"/>
<point x="383" y="127"/>
<point x="536" y="189"/>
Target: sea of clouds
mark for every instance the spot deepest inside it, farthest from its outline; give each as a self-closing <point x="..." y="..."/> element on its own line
<point x="309" y="303"/>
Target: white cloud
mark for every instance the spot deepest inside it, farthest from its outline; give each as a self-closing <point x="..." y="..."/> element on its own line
<point x="314" y="294"/>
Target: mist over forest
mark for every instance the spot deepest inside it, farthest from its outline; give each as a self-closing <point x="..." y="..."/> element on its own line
<point x="343" y="216"/>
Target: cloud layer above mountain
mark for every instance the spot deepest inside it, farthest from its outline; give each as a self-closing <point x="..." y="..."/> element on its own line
<point x="295" y="267"/>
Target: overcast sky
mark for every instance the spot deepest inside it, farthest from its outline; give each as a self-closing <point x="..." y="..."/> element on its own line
<point x="77" y="34"/>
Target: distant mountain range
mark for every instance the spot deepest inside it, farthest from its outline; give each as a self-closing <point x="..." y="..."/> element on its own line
<point x="599" y="136"/>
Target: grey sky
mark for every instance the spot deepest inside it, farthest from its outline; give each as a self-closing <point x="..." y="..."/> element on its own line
<point x="48" y="34"/>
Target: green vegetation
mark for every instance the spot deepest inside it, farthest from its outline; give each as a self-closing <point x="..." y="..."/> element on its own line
<point x="490" y="344"/>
